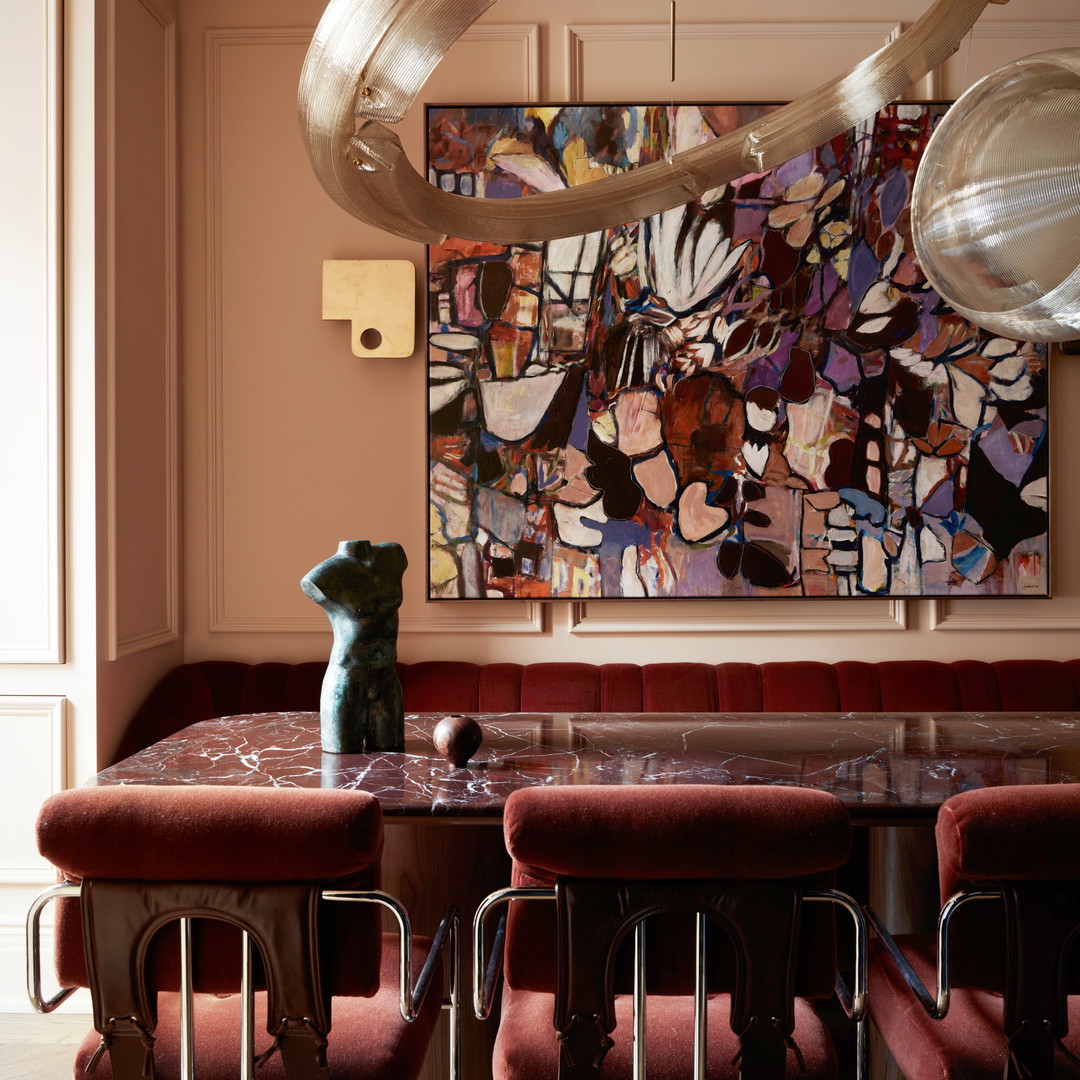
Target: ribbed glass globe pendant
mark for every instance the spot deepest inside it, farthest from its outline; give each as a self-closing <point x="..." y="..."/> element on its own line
<point x="996" y="203"/>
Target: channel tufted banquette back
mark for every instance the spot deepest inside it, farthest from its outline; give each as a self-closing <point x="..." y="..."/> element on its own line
<point x="209" y="688"/>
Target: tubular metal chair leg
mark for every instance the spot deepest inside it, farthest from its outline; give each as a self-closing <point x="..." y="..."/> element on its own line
<point x="701" y="997"/>
<point x="187" y="1005"/>
<point x="640" y="999"/>
<point x="247" y="1007"/>
<point x="33" y="949"/>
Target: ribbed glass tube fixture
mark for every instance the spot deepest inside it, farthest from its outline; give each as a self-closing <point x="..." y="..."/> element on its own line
<point x="369" y="59"/>
<point x="995" y="211"/>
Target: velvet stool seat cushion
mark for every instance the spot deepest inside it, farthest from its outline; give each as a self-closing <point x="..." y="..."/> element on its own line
<point x="968" y="1044"/>
<point x="654" y="833"/>
<point x="526" y="1049"/>
<point x="681" y="831"/>
<point x="684" y="831"/>
<point x="985" y="837"/>
<point x="210" y="833"/>
<point x="1023" y="833"/>
<point x="246" y="837"/>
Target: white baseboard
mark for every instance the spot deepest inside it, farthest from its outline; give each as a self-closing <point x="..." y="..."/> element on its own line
<point x="13" y="996"/>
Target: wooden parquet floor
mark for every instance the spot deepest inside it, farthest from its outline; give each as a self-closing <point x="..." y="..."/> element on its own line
<point x="36" y="1047"/>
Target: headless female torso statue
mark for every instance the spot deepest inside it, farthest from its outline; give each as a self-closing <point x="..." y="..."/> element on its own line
<point x="359" y="588"/>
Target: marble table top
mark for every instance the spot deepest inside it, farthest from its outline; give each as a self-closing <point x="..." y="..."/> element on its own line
<point x="885" y="767"/>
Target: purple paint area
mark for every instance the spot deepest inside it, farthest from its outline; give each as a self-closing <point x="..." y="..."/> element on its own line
<point x="699" y="574"/>
<point x="749" y="221"/>
<point x="893" y="198"/>
<point x="620" y="534"/>
<point x="863" y="270"/>
<point x="1001" y="451"/>
<point x="768" y="370"/>
<point x="796" y="168"/>
<point x="789" y="297"/>
<point x="939" y="503"/>
<point x="502" y="187"/>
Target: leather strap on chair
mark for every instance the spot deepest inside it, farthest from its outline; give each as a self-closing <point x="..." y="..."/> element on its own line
<point x="1043" y="921"/>
<point x="760" y="918"/>
<point x="121" y="917"/>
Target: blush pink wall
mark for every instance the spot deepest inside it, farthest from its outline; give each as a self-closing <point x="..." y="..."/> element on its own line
<point x="292" y="444"/>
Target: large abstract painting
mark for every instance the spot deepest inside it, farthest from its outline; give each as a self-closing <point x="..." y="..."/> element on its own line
<point x="755" y="394"/>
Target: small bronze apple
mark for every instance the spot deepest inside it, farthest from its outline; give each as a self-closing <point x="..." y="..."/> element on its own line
<point x="457" y="738"/>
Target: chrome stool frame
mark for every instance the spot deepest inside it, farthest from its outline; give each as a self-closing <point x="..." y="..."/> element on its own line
<point x="410" y="996"/>
<point x="486" y="971"/>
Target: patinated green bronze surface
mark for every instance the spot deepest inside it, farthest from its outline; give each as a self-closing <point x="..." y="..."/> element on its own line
<point x="359" y="588"/>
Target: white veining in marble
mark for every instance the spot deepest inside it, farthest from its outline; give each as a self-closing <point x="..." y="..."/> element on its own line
<point x="880" y="765"/>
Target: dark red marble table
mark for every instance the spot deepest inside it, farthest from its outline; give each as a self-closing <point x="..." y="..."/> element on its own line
<point x="887" y="768"/>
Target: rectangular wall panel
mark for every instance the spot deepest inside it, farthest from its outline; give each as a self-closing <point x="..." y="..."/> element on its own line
<point x="307" y="444"/>
<point x="32" y="733"/>
<point x="142" y="361"/>
<point x="714" y="61"/>
<point x="992" y="44"/>
<point x="31" y="599"/>
<point x="738" y="616"/>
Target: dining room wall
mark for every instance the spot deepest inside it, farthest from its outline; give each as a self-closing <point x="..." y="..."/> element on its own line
<point x="291" y="443"/>
<point x="185" y="436"/>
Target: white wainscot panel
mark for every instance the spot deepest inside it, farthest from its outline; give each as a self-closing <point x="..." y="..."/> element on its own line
<point x="714" y="62"/>
<point x="737" y="616"/>
<point x="31" y="600"/>
<point x="32" y="732"/>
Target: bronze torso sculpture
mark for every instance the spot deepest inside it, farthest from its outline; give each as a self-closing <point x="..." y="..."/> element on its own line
<point x="359" y="588"/>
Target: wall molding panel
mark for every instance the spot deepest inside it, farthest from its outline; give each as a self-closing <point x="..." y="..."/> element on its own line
<point x="142" y="362"/>
<point x="225" y="614"/>
<point x="996" y="42"/>
<point x="31" y="434"/>
<point x="864" y="38"/>
<point x="748" y="616"/>
<point x="1008" y="616"/>
<point x="1065" y="32"/>
<point x="34" y="731"/>
<point x="525" y="36"/>
<point x="521" y="617"/>
<point x="218" y="44"/>
<point x="581" y="62"/>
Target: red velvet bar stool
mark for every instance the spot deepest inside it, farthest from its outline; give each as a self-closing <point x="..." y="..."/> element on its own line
<point x="1003" y="960"/>
<point x="190" y="910"/>
<point x="673" y="929"/>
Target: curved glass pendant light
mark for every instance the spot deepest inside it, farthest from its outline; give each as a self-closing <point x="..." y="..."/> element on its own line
<point x="369" y="59"/>
<point x="995" y="211"/>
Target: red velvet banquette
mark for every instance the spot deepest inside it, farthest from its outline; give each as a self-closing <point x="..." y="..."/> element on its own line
<point x="209" y="688"/>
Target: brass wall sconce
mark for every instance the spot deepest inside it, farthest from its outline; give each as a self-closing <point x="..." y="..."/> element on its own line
<point x="378" y="296"/>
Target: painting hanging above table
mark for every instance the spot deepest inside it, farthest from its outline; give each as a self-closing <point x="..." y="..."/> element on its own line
<point x="755" y="394"/>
